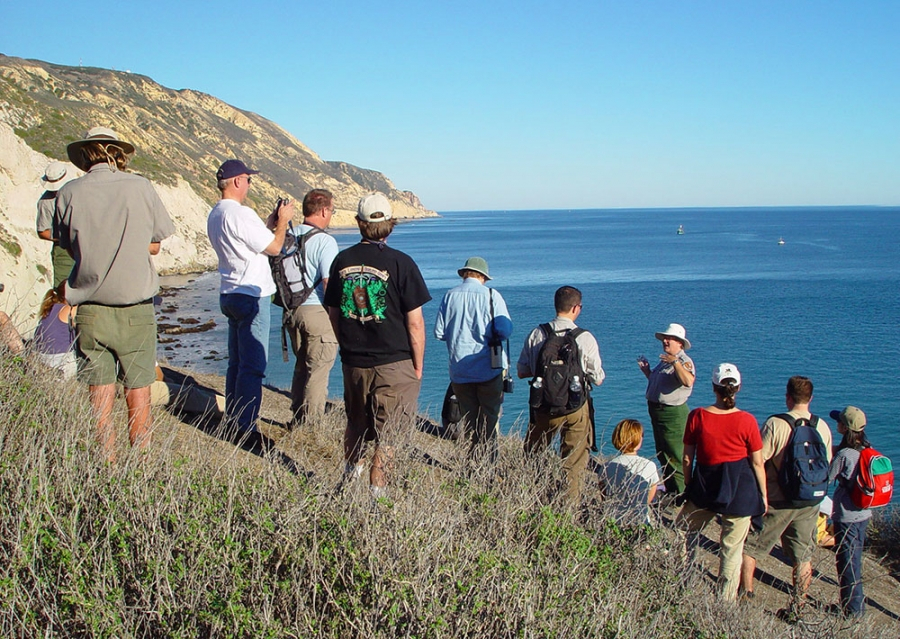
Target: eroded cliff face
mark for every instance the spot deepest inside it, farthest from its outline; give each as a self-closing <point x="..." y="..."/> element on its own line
<point x="181" y="137"/>
<point x="25" y="265"/>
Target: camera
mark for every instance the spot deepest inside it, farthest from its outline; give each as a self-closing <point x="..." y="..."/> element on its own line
<point x="496" y="347"/>
<point x="508" y="384"/>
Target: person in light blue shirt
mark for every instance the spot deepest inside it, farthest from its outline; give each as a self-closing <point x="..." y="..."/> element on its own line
<point x="473" y="318"/>
<point x="312" y="336"/>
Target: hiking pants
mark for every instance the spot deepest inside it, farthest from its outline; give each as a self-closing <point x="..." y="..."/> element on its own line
<point x="315" y="346"/>
<point x="692" y="519"/>
<point x="575" y="437"/>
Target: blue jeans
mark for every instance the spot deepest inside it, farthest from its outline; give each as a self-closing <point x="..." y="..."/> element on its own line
<point x="849" y="540"/>
<point x="249" y="318"/>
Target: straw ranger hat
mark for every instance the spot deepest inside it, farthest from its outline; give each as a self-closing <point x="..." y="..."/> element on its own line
<point x="97" y="134"/>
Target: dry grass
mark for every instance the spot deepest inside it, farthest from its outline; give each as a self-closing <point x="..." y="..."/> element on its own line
<point x="199" y="539"/>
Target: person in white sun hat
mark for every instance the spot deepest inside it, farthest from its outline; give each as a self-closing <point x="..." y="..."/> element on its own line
<point x="669" y="384"/>
<point x="54" y="177"/>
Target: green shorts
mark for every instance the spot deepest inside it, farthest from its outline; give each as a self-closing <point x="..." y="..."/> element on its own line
<point x="116" y="343"/>
<point x="794" y="527"/>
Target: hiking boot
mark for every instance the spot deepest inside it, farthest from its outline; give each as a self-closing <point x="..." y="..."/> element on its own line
<point x="838" y="611"/>
<point x="792" y="614"/>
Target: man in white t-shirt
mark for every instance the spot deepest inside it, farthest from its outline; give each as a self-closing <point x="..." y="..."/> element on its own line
<point x="242" y="241"/>
<point x="312" y="335"/>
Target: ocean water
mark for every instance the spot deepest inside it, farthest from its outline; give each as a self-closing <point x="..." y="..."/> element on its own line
<point x="823" y="304"/>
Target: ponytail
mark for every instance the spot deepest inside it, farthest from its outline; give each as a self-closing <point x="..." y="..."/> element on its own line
<point x="855" y="439"/>
<point x="726" y="392"/>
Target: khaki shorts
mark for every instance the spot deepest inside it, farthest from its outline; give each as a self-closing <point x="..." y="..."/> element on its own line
<point x="116" y="343"/>
<point x="377" y="398"/>
<point x="794" y="527"/>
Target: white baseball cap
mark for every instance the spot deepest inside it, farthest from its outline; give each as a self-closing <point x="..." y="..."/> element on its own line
<point x="374" y="208"/>
<point x="726" y="371"/>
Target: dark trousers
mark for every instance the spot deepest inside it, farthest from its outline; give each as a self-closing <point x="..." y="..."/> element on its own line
<point x="849" y="541"/>
<point x="480" y="405"/>
<point x="668" y="434"/>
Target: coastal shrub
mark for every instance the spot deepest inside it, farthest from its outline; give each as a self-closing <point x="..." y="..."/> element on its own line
<point x="196" y="538"/>
<point x="883" y="535"/>
<point x="9" y="244"/>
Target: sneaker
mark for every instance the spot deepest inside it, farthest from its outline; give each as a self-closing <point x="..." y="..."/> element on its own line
<point x="745" y="595"/>
<point x="352" y="471"/>
<point x="378" y="492"/>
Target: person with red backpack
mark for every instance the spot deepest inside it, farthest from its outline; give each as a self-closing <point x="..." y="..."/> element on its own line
<point x="849" y="519"/>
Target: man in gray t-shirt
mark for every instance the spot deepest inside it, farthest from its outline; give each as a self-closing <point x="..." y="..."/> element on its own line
<point x="53" y="178"/>
<point x="111" y="222"/>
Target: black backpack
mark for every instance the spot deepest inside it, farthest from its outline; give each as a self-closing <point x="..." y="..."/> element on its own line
<point x="554" y="385"/>
<point x="288" y="269"/>
<point x="803" y="476"/>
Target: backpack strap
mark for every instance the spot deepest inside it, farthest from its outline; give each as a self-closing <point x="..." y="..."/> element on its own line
<point x="791" y="421"/>
<point x="546" y="332"/>
<point x="300" y="255"/>
<point x="285" y="318"/>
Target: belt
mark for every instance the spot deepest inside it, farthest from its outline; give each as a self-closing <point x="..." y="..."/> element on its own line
<point x="149" y="300"/>
<point x="658" y="405"/>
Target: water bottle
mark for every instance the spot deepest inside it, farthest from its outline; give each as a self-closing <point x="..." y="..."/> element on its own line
<point x="536" y="394"/>
<point x="575" y="391"/>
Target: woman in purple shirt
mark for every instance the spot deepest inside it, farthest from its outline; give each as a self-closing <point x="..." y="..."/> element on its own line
<point x="53" y="336"/>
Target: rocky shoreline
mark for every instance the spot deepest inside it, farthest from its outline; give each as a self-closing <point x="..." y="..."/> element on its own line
<point x="191" y="331"/>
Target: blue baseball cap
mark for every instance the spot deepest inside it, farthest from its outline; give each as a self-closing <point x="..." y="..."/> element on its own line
<point x="233" y="168"/>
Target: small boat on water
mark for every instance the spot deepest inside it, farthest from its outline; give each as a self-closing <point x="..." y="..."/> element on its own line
<point x="680" y="230"/>
<point x="780" y="241"/>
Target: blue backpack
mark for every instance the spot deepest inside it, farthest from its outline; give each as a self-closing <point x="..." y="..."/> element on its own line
<point x="803" y="476"/>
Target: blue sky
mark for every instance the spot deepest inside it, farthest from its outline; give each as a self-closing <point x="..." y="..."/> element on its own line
<point x="518" y="105"/>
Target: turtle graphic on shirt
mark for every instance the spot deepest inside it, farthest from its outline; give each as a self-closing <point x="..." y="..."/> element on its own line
<point x="363" y="293"/>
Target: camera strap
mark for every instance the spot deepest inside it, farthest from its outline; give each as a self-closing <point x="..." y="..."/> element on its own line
<point x="491" y="298"/>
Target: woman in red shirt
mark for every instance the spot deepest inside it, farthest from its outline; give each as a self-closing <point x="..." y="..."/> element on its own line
<point x="728" y="478"/>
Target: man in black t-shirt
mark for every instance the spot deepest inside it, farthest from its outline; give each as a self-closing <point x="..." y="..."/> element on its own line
<point x="374" y="298"/>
